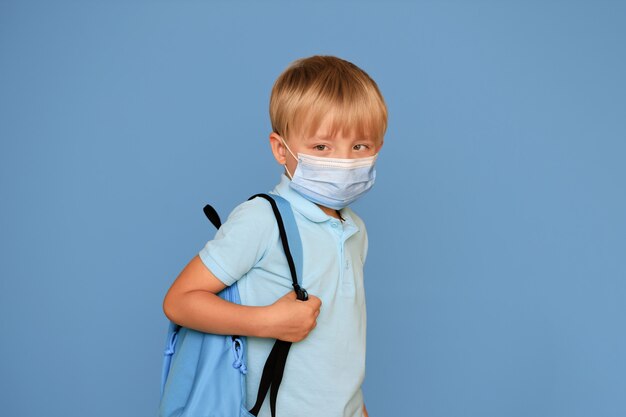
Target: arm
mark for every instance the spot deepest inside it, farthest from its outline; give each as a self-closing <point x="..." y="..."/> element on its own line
<point x="192" y="302"/>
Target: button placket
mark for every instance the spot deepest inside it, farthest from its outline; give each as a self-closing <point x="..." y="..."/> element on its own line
<point x="343" y="231"/>
<point x="347" y="277"/>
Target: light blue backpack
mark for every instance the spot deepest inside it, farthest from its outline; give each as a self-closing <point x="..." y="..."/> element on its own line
<point x="204" y="374"/>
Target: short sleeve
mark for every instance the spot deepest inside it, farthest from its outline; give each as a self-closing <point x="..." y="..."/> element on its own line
<point x="241" y="242"/>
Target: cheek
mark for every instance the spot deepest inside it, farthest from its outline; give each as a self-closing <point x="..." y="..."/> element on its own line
<point x="292" y="165"/>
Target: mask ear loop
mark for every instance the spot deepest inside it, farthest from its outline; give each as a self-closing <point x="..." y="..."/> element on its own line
<point x="294" y="157"/>
<point x="288" y="173"/>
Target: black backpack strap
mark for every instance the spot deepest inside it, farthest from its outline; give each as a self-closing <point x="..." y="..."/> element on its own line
<point x="300" y="292"/>
<point x="275" y="364"/>
<point x="212" y="215"/>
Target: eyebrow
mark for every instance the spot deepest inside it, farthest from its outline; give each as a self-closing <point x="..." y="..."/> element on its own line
<point x="327" y="137"/>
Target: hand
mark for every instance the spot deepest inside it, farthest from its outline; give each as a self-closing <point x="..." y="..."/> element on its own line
<point x="292" y="320"/>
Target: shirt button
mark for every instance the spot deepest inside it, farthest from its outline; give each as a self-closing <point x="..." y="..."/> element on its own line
<point x="333" y="225"/>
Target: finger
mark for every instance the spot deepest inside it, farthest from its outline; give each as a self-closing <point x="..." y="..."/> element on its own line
<point x="290" y="295"/>
<point x="316" y="301"/>
<point x="313" y="298"/>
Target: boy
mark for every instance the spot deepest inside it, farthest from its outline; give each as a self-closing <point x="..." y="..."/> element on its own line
<point x="328" y="119"/>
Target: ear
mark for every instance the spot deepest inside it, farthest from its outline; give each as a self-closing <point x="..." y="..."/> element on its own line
<point x="278" y="148"/>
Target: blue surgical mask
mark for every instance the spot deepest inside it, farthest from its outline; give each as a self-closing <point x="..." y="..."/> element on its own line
<point x="332" y="182"/>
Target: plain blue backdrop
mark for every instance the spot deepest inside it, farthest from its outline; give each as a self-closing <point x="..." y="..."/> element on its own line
<point x="496" y="277"/>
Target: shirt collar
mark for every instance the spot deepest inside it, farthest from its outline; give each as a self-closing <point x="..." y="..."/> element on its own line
<point x="303" y="206"/>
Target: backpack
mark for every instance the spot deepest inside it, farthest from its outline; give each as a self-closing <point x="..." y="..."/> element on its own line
<point x="203" y="374"/>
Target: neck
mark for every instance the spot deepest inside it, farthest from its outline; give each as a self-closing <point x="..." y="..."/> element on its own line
<point x="331" y="212"/>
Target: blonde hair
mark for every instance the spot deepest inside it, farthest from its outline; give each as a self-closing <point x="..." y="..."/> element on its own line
<point x="314" y="88"/>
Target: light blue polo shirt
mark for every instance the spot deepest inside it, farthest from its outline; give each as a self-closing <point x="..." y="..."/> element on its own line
<point x="324" y="372"/>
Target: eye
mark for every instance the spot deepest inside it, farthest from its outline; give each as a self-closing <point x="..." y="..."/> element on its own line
<point x="320" y="147"/>
<point x="360" y="147"/>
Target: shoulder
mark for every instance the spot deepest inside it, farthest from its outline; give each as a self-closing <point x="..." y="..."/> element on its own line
<point x="245" y="237"/>
<point x="253" y="220"/>
<point x="257" y="211"/>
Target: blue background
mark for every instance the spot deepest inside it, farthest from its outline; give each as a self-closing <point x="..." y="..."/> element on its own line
<point x="496" y="277"/>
